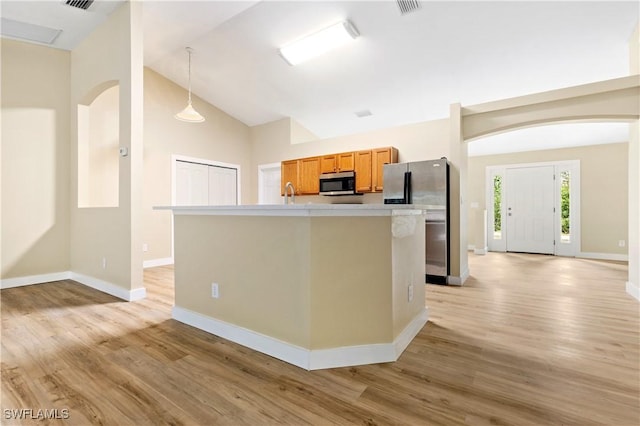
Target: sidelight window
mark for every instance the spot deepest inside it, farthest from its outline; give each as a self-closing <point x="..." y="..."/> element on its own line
<point x="565" y="206"/>
<point x="497" y="207"/>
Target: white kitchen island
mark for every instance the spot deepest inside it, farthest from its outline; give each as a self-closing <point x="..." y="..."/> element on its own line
<point x="315" y="285"/>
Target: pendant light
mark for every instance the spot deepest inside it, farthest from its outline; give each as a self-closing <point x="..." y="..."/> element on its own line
<point x="189" y="114"/>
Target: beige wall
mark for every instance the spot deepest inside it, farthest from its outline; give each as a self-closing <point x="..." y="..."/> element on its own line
<point x="256" y="291"/>
<point x="272" y="143"/>
<point x="603" y="195"/>
<point x="351" y="300"/>
<point x="113" y="52"/>
<point x="315" y="282"/>
<point x="35" y="160"/>
<point x="220" y="138"/>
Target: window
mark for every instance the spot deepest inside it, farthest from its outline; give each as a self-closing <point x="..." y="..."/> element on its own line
<point x="565" y="207"/>
<point x="497" y="207"/>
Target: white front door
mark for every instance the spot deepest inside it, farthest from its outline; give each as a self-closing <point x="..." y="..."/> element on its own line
<point x="530" y="194"/>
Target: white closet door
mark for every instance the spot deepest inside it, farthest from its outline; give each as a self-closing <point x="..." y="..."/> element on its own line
<point x="223" y="186"/>
<point x="192" y="184"/>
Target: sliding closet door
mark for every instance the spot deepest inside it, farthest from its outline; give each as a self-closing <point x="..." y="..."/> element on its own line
<point x="223" y="184"/>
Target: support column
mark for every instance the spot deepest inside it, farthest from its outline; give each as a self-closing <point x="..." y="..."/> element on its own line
<point x="633" y="285"/>
<point x="458" y="192"/>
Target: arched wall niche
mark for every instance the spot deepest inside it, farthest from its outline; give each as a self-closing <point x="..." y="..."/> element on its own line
<point x="98" y="144"/>
<point x="96" y="91"/>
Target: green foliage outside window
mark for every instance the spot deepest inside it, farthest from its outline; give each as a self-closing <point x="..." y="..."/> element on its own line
<point x="497" y="199"/>
<point x="564" y="202"/>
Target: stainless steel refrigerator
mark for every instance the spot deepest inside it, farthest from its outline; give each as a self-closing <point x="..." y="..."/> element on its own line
<point x="425" y="183"/>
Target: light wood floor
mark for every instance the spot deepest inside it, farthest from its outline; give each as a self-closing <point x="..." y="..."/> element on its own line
<point x="529" y="340"/>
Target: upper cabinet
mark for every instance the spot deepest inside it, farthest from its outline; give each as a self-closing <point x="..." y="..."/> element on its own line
<point x="334" y="163"/>
<point x="304" y="173"/>
<point x="380" y="157"/>
<point x="363" y="171"/>
<point x="289" y="172"/>
<point x="309" y="179"/>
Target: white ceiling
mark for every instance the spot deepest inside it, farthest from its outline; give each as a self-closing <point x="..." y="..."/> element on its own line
<point x="404" y="69"/>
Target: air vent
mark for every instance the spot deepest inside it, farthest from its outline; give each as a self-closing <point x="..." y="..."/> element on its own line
<point x="80" y="4"/>
<point x="363" y="113"/>
<point x="408" y="6"/>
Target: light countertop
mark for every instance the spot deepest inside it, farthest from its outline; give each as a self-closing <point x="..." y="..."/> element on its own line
<point x="299" y="210"/>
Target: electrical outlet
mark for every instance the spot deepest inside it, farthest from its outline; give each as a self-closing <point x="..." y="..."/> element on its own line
<point x="214" y="291"/>
<point x="410" y="292"/>
<point x="104" y="263"/>
<point x="145" y="247"/>
<point x="621" y="243"/>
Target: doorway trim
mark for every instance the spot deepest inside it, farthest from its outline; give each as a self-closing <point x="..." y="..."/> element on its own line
<point x="262" y="169"/>
<point x="571" y="248"/>
<point x="175" y="158"/>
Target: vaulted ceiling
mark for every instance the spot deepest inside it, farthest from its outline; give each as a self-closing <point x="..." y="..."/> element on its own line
<point x="403" y="68"/>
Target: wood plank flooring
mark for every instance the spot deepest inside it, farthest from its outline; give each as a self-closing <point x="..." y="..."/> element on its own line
<point x="529" y="340"/>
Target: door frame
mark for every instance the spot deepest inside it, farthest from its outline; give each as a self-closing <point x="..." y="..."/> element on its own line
<point x="570" y="249"/>
<point x="175" y="158"/>
<point x="262" y="168"/>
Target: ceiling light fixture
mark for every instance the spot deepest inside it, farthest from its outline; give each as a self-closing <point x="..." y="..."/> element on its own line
<point x="25" y="31"/>
<point x="189" y="114"/>
<point x="318" y="43"/>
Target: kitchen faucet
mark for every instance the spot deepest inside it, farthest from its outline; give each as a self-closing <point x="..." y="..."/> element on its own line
<point x="288" y="186"/>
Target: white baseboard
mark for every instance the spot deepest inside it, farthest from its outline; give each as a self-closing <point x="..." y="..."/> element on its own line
<point x="157" y="262"/>
<point x="34" y="279"/>
<point x="633" y="290"/>
<point x="95" y="283"/>
<point x="471" y="247"/>
<point x="410" y="331"/>
<point x="481" y="251"/>
<point x="301" y="357"/>
<point x="453" y="280"/>
<point x="604" y="256"/>
<point x="110" y="288"/>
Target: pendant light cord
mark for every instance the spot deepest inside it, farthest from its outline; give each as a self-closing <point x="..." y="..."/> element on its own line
<point x="189" y="51"/>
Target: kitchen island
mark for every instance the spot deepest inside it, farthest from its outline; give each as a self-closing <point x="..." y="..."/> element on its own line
<point x="315" y="285"/>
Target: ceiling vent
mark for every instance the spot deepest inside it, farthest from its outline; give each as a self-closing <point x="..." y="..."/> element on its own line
<point x="80" y="4"/>
<point x="408" y="6"/>
<point x="363" y="113"/>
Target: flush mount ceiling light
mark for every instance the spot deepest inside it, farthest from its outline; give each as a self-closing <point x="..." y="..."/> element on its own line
<point x="318" y="43"/>
<point x="25" y="31"/>
<point x="189" y="114"/>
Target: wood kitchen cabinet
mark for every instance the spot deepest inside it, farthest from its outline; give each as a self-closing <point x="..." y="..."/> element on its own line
<point x="380" y="157"/>
<point x="304" y="173"/>
<point x="337" y="162"/>
<point x="290" y="171"/>
<point x="309" y="178"/>
<point x="363" y="171"/>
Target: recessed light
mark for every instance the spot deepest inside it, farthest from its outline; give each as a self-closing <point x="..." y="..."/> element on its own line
<point x="318" y="43"/>
<point x="25" y="31"/>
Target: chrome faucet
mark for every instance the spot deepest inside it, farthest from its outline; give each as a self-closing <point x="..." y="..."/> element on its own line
<point x="288" y="186"/>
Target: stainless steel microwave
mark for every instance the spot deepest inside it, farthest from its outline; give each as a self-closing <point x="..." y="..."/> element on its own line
<point x="342" y="183"/>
